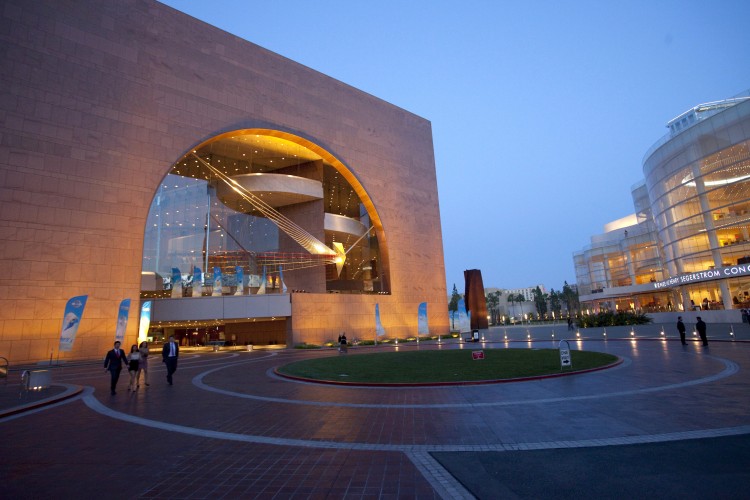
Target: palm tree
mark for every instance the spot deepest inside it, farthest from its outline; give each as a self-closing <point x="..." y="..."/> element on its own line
<point x="512" y="299"/>
<point x="540" y="301"/>
<point x="555" y="301"/>
<point x="570" y="296"/>
<point x="520" y="298"/>
<point x="493" y="300"/>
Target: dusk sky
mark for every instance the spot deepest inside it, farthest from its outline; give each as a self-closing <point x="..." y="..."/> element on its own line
<point x="541" y="111"/>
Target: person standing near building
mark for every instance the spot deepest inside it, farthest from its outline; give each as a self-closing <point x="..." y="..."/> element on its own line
<point x="134" y="361"/>
<point x="113" y="362"/>
<point x="700" y="326"/>
<point x="681" y="329"/>
<point x="143" y="365"/>
<point x="169" y="354"/>
<point x="342" y="342"/>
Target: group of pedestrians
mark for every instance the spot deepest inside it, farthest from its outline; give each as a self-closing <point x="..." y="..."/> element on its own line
<point x="136" y="363"/>
<point x="700" y="327"/>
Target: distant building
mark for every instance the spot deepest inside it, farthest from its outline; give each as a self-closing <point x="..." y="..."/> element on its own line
<point x="528" y="292"/>
<point x="517" y="309"/>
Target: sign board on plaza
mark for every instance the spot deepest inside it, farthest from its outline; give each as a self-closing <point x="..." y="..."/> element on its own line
<point x="565" y="354"/>
<point x="711" y="274"/>
<point x="477" y="355"/>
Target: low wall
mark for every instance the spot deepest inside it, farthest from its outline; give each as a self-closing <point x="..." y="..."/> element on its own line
<point x="720" y="316"/>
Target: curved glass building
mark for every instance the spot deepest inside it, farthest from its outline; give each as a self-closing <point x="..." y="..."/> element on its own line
<point x="698" y="181"/>
<point x="692" y="222"/>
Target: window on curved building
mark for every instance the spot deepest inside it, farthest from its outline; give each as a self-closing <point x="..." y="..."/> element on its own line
<point x="250" y="213"/>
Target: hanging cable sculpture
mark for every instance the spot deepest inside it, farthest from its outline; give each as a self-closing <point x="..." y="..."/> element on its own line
<point x="318" y="252"/>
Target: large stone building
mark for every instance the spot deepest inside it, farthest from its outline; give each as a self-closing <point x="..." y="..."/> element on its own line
<point x="146" y="155"/>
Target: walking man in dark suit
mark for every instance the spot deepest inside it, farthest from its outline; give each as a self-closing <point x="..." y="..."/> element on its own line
<point x="113" y="362"/>
<point x="169" y="354"/>
<point x="700" y="326"/>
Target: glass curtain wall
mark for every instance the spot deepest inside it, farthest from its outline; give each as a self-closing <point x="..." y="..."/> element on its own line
<point x="700" y="184"/>
<point x="209" y="240"/>
<point x="704" y="208"/>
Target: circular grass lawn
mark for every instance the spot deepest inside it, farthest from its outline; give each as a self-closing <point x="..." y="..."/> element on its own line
<point x="443" y="366"/>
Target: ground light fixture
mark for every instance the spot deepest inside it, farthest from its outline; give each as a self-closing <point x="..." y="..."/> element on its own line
<point x="731" y="331"/>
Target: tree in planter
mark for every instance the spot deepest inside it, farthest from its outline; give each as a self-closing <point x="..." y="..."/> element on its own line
<point x="453" y="305"/>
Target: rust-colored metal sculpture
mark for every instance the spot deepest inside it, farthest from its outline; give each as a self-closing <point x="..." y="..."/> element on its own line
<point x="474" y="298"/>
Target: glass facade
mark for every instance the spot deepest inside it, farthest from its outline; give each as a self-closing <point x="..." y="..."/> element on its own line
<point x="250" y="213"/>
<point x="693" y="216"/>
<point x="699" y="184"/>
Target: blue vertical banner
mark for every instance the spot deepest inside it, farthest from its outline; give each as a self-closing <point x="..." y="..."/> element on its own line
<point x="176" y="283"/>
<point x="217" y="282"/>
<point x="422" y="327"/>
<point x="240" y="276"/>
<point x="379" y="330"/>
<point x="262" y="288"/>
<point x="281" y="278"/>
<point x="197" y="282"/>
<point x="145" y="323"/>
<point x="463" y="318"/>
<point x="122" y="320"/>
<point x="71" y="321"/>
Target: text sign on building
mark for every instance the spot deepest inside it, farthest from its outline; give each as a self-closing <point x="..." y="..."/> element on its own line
<point x="477" y="354"/>
<point x="711" y="274"/>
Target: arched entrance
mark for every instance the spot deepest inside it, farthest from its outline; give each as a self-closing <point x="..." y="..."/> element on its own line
<point x="256" y="213"/>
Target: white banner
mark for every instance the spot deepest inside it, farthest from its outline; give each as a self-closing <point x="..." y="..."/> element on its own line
<point x="71" y="321"/>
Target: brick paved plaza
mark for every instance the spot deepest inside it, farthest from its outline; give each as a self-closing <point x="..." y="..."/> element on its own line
<point x="670" y="421"/>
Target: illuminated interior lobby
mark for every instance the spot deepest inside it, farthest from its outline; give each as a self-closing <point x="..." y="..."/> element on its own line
<point x="137" y="141"/>
<point x="687" y="247"/>
<point x="247" y="207"/>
